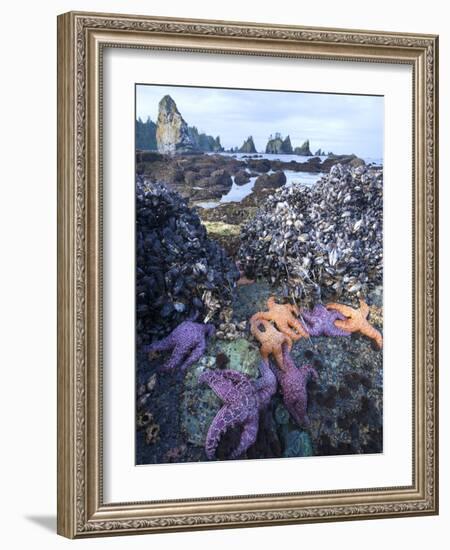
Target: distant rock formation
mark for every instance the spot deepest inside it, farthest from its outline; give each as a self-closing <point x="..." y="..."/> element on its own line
<point x="203" y="142"/>
<point x="279" y="146"/>
<point x="303" y="150"/>
<point x="286" y="146"/>
<point x="319" y="153"/>
<point x="217" y="146"/>
<point x="172" y="131"/>
<point x="248" y="146"/>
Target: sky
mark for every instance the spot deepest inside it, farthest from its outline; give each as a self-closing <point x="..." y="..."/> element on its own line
<point x="332" y="122"/>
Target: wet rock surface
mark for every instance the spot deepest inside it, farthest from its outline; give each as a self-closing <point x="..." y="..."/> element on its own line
<point x="344" y="404"/>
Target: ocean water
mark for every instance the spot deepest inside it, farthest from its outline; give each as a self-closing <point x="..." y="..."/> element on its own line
<point x="238" y="192"/>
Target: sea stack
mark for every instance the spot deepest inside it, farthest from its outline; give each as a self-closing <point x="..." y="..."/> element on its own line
<point x="172" y="131"/>
<point x="248" y="146"/>
<point x="279" y="146"/>
<point x="303" y="150"/>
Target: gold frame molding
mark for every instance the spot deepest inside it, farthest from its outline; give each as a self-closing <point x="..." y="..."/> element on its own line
<point x="81" y="37"/>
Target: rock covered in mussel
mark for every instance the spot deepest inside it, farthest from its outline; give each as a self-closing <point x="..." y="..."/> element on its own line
<point x="320" y="241"/>
<point x="180" y="272"/>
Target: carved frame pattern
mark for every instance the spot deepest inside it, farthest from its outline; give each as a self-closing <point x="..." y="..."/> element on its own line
<point x="81" y="511"/>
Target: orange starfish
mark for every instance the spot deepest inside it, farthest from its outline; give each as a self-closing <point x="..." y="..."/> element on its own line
<point x="270" y="339"/>
<point x="357" y="321"/>
<point x="285" y="318"/>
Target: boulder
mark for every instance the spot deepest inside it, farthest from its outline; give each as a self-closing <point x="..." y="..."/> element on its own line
<point x="344" y="160"/>
<point x="272" y="181"/>
<point x="259" y="165"/>
<point x="222" y="178"/>
<point x="241" y="177"/>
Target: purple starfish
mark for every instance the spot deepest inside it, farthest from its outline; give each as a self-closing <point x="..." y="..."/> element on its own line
<point x="293" y="383"/>
<point x="187" y="343"/>
<point x="243" y="400"/>
<point x="320" y="321"/>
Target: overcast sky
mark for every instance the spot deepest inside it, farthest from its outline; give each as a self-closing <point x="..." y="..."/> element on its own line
<point x="338" y="123"/>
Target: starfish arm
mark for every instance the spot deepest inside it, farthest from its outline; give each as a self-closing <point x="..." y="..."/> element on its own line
<point x="271" y="302"/>
<point x="288" y="362"/>
<point x="220" y="385"/>
<point x="161" y="345"/>
<point x="349" y="325"/>
<point x="308" y="316"/>
<point x="175" y="359"/>
<point x="364" y="308"/>
<point x="297" y="409"/>
<point x="275" y="370"/>
<point x="265" y="351"/>
<point x="334" y="330"/>
<point x="193" y="356"/>
<point x="288" y="342"/>
<point x="235" y="376"/>
<point x="284" y="327"/>
<point x="310" y="372"/>
<point x="248" y="436"/>
<point x="313" y="328"/>
<point x="371" y="332"/>
<point x="335" y="315"/>
<point x="299" y="328"/>
<point x="260" y="316"/>
<point x="278" y="355"/>
<point x="218" y="427"/>
<point x="266" y="385"/>
<point x="379" y="339"/>
<point x="342" y="308"/>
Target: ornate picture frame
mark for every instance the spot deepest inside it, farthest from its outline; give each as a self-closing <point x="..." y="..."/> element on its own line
<point x="82" y="37"/>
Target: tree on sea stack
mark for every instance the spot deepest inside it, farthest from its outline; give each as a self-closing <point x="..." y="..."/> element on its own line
<point x="172" y="131"/>
<point x="248" y="146"/>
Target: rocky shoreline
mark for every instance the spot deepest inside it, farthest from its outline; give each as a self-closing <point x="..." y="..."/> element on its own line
<point x="345" y="404"/>
<point x="203" y="177"/>
<point x="258" y="321"/>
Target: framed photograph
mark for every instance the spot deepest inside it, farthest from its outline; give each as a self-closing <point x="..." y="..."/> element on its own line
<point x="247" y="276"/>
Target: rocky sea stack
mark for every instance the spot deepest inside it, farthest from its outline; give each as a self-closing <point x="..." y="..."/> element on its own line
<point x="180" y="272"/>
<point x="172" y="131"/>
<point x="304" y="150"/>
<point x="248" y="146"/>
<point x="321" y="241"/>
<point x="278" y="146"/>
